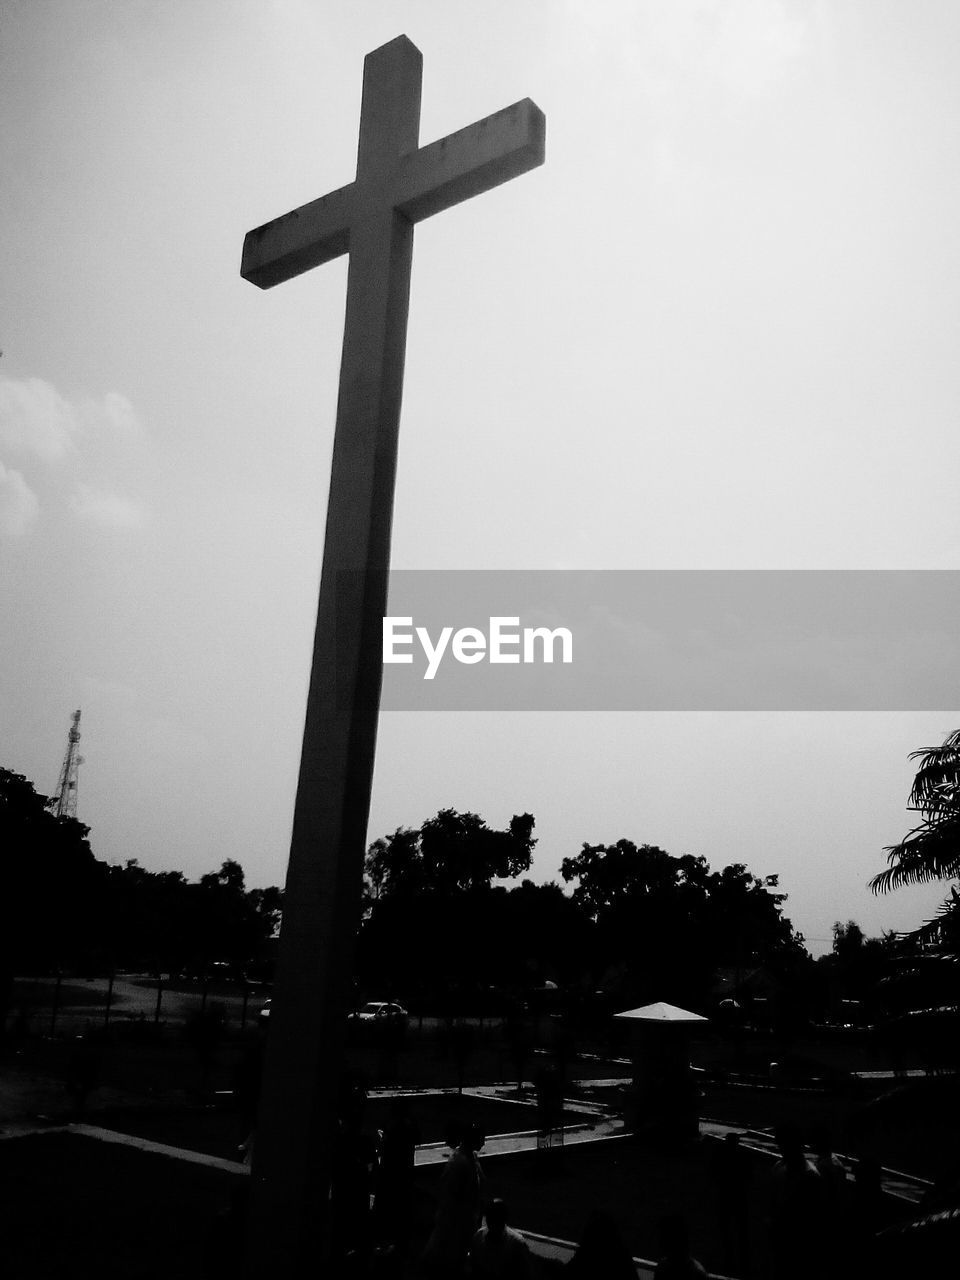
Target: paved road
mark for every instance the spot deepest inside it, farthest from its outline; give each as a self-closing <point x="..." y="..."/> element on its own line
<point x="135" y="995"/>
<point x="133" y="998"/>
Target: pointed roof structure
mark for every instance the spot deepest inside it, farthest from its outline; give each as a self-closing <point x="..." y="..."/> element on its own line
<point x="661" y="1012"/>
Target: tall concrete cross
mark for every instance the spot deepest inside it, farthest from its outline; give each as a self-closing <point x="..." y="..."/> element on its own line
<point x="372" y="219"/>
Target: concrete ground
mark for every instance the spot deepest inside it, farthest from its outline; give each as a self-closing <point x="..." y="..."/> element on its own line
<point x="594" y="1124"/>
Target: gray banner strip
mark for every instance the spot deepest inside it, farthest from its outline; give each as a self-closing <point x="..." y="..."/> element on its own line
<point x="688" y="640"/>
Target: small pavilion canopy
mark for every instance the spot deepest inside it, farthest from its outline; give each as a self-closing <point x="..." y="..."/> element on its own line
<point x="661" y="1013"/>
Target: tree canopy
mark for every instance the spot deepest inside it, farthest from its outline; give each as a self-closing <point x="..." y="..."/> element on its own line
<point x="446" y="909"/>
<point x="50" y="876"/>
<point x="451" y="852"/>
<point x="931" y="850"/>
<point x="637" y="917"/>
<point x="62" y="907"/>
<point x="672" y="922"/>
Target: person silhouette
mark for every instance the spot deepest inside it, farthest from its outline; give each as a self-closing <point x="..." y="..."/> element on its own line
<point x="601" y="1254"/>
<point x="458" y="1205"/>
<point x="731" y="1168"/>
<point x="676" y="1261"/>
<point x="497" y="1252"/>
<point x="393" y="1203"/>
<point x="795" y="1210"/>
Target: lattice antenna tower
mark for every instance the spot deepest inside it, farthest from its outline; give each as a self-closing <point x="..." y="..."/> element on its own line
<point x="63" y="803"/>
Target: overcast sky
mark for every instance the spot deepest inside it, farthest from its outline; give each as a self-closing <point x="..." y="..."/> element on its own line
<point x="718" y="329"/>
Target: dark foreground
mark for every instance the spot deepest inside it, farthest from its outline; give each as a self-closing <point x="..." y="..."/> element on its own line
<point x="71" y="1205"/>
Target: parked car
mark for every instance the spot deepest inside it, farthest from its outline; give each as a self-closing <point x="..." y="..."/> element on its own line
<point x="379" y="1012"/>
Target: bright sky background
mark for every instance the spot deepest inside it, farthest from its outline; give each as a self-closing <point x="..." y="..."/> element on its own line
<point x="718" y="329"/>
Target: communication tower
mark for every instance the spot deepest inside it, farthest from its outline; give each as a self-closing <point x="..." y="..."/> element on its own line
<point x="63" y="804"/>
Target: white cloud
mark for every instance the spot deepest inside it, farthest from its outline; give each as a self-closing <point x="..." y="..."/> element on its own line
<point x="37" y="422"/>
<point x="114" y="412"/>
<point x="106" y="510"/>
<point x="36" y="419"/>
<point x="18" y="503"/>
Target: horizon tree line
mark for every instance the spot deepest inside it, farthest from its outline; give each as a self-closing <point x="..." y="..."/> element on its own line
<point x="448" y="909"/>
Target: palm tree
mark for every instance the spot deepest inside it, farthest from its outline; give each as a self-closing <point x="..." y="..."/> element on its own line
<point x="931" y="851"/>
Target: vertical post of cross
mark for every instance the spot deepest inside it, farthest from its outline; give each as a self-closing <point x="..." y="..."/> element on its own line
<point x="296" y="1130"/>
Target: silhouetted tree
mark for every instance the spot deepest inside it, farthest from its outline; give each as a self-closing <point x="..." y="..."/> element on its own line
<point x="857" y="968"/>
<point x="931" y="851"/>
<point x="50" y="881"/>
<point x="543" y="934"/>
<point x="672" y="921"/>
<point x="667" y="923"/>
<point x="431" y="890"/>
<point x="60" y="906"/>
<point x="453" y="851"/>
<point x="848" y="939"/>
<point x="922" y="990"/>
